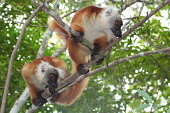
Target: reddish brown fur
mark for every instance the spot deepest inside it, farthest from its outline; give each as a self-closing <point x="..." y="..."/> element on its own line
<point x="78" y="51"/>
<point x="102" y="41"/>
<point x="79" y="57"/>
<point x="54" y="26"/>
<point x="88" y="11"/>
<point x="71" y="94"/>
<point x="68" y="96"/>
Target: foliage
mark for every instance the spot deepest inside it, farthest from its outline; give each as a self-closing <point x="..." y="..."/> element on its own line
<point x="128" y="87"/>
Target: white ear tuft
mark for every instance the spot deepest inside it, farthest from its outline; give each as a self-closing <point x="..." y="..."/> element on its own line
<point x="108" y="12"/>
<point x="43" y="68"/>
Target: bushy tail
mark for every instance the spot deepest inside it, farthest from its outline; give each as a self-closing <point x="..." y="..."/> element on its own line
<point x="70" y="95"/>
<point x="58" y="29"/>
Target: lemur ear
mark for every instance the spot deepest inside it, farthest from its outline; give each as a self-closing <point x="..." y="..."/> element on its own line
<point x="108" y="12"/>
<point x="43" y="68"/>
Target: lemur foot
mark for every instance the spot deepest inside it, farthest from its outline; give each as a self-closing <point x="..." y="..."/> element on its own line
<point x="55" y="97"/>
<point x="100" y="60"/>
<point x="39" y="101"/>
<point x="96" y="49"/>
<point x="78" y="39"/>
<point x="81" y="69"/>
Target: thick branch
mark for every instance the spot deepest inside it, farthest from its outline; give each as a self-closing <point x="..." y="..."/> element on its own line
<point x="24" y="96"/>
<point x="13" y="56"/>
<point x="76" y="77"/>
<point x="20" y="102"/>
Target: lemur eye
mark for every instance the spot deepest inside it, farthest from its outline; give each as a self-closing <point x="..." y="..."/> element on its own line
<point x="116" y="22"/>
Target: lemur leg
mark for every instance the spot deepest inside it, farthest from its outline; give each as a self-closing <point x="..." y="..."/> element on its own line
<point x="36" y="96"/>
<point x="79" y="54"/>
<point x="78" y="39"/>
<point x="99" y="44"/>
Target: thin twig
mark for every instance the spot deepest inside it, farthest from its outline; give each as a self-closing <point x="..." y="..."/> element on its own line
<point x="136" y="17"/>
<point x="129" y="3"/>
<point x="164" y="3"/>
<point x="41" y="50"/>
<point x="58" y="51"/>
<point x="161" y="107"/>
<point x="13" y="56"/>
<point x="149" y="42"/>
<point x="56" y="6"/>
<point x="24" y="13"/>
<point x="69" y="13"/>
<point x="159" y="51"/>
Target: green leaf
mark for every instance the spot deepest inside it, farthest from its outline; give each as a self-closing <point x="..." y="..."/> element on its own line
<point x="145" y="95"/>
<point x="142" y="107"/>
<point x="155" y="106"/>
<point x="168" y="111"/>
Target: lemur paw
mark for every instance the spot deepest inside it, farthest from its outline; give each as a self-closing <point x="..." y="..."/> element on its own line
<point x="51" y="90"/>
<point x="81" y="69"/>
<point x="100" y="60"/>
<point x="78" y="39"/>
<point x="96" y="49"/>
<point x="55" y="97"/>
<point x="39" y="101"/>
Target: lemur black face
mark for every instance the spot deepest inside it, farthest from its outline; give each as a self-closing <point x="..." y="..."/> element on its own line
<point x="117" y="28"/>
<point x="52" y="79"/>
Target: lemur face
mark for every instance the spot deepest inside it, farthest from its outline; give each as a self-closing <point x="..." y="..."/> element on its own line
<point x="46" y="75"/>
<point x="52" y="78"/>
<point x="117" y="28"/>
<point x="112" y="21"/>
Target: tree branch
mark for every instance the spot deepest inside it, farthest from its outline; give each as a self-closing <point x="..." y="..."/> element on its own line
<point x="161" y="107"/>
<point x="164" y="3"/>
<point x="159" y="51"/>
<point x="13" y="56"/>
<point x="58" y="51"/>
<point x="69" y="13"/>
<point x="80" y="77"/>
<point x="138" y="14"/>
<point x="149" y="42"/>
<point x="56" y="6"/>
<point x="44" y="43"/>
<point x="20" y="102"/>
<point x="15" y="9"/>
<point x="56" y="16"/>
<point x="128" y="4"/>
<point x="24" y="96"/>
<point x="77" y="77"/>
